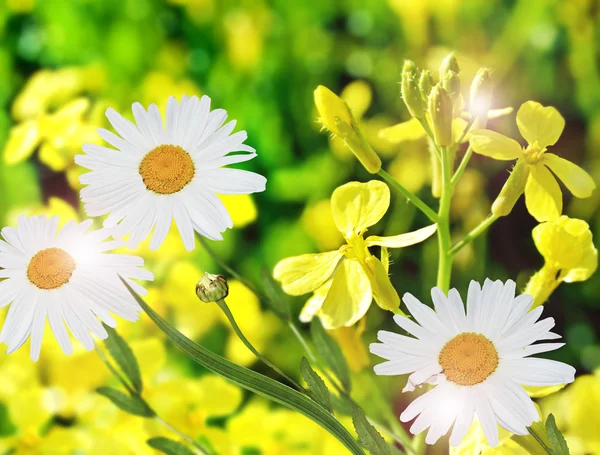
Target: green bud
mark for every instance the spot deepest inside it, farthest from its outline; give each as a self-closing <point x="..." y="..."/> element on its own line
<point x="356" y="142"/>
<point x="451" y="84"/>
<point x="450" y="63"/>
<point x="440" y="110"/>
<point x="480" y="97"/>
<point x="212" y="288"/>
<point x="426" y="83"/>
<point x="512" y="189"/>
<point x="410" y="90"/>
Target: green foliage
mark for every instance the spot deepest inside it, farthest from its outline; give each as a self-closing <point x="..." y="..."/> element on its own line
<point x="277" y="300"/>
<point x="124" y="357"/>
<point x="368" y="435"/>
<point x="130" y="404"/>
<point x="557" y="440"/>
<point x="169" y="447"/>
<point x="331" y="354"/>
<point x="316" y="386"/>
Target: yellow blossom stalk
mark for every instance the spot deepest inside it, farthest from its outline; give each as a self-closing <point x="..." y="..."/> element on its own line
<point x="345" y="281"/>
<point x="541" y="127"/>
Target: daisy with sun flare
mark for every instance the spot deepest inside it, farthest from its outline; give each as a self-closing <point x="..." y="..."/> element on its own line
<point x="478" y="359"/>
<point x="158" y="174"/>
<point x="541" y="126"/>
<point x="67" y="276"/>
<point x="345" y="281"/>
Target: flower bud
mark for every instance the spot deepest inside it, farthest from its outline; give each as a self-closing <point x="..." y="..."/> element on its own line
<point x="426" y="83"/>
<point x="411" y="94"/>
<point x="359" y="146"/>
<point x="212" y="288"/>
<point x="481" y="94"/>
<point x="440" y="110"/>
<point x="512" y="189"/>
<point x="450" y="63"/>
<point x="330" y="107"/>
<point x="451" y="84"/>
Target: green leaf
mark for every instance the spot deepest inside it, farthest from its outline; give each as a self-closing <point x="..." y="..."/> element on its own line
<point x="277" y="300"/>
<point x="557" y="440"/>
<point x="316" y="386"/>
<point x="253" y="381"/>
<point x="368" y="435"/>
<point x="169" y="447"/>
<point x="124" y="357"/>
<point x="131" y="405"/>
<point x="331" y="353"/>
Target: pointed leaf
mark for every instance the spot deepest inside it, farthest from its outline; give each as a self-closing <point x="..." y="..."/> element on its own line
<point x="331" y="353"/>
<point x="557" y="440"/>
<point x="132" y="405"/>
<point x="368" y="435"/>
<point x="124" y="357"/>
<point x="277" y="300"/>
<point x="316" y="386"/>
<point x="169" y="447"/>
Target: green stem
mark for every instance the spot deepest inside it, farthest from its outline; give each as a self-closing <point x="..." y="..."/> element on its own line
<point x="296" y="331"/>
<point x="236" y="328"/>
<point x="427" y="129"/>
<point x="114" y="371"/>
<point x="462" y="166"/>
<point x="410" y="196"/>
<point x="540" y="441"/>
<point x="443" y="231"/>
<point x="473" y="234"/>
<point x="183" y="436"/>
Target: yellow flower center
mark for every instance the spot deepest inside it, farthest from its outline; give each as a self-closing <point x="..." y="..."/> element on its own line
<point x="468" y="359"/>
<point x="166" y="169"/>
<point x="534" y="153"/>
<point x="51" y="268"/>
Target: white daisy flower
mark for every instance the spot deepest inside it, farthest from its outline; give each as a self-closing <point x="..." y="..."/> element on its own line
<point x="158" y="174"/>
<point x="65" y="275"/>
<point x="478" y="360"/>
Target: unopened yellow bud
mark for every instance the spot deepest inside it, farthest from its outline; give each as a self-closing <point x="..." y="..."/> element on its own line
<point x="450" y="63"/>
<point x="411" y="94"/>
<point x="426" y="83"/>
<point x="440" y="110"/>
<point x="359" y="146"/>
<point x="330" y="107"/>
<point x="481" y="94"/>
<point x="451" y="84"/>
<point x="212" y="288"/>
<point x="512" y="189"/>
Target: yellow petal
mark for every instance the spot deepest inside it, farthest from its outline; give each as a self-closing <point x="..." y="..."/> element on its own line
<point x="22" y="141"/>
<point x="352" y="345"/>
<point x="539" y="123"/>
<point x="383" y="292"/>
<point x="405" y="131"/>
<point x="495" y="113"/>
<point x="403" y="240"/>
<point x="349" y="297"/>
<point x="586" y="267"/>
<point x="356" y="206"/>
<point x="302" y="274"/>
<point x="563" y="242"/>
<point x="579" y="182"/>
<point x="358" y="96"/>
<point x="495" y="145"/>
<point x="543" y="197"/>
<point x="330" y="107"/>
<point x="542" y="391"/>
<point x="314" y="304"/>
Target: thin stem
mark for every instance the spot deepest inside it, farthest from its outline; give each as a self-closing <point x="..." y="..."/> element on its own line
<point x="473" y="234"/>
<point x="114" y="371"/>
<point x="183" y="436"/>
<point x="427" y="129"/>
<point x="539" y="440"/>
<point x="296" y="331"/>
<point x="225" y="308"/>
<point x="227" y="268"/>
<point x="463" y="165"/>
<point x="412" y="197"/>
<point x="444" y="240"/>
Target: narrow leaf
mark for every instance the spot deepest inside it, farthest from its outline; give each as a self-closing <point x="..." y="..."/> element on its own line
<point x="369" y="436"/>
<point x="330" y="353"/>
<point x="169" y="447"/>
<point x="557" y="440"/>
<point x="253" y="381"/>
<point x="316" y="386"/>
<point x="124" y="357"/>
<point x="277" y="300"/>
<point x="131" y="405"/>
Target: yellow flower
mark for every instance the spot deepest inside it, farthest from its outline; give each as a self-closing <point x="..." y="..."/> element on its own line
<point x="346" y="280"/>
<point x="541" y="127"/>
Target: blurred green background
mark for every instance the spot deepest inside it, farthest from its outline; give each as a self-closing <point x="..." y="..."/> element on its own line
<point x="62" y="63"/>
